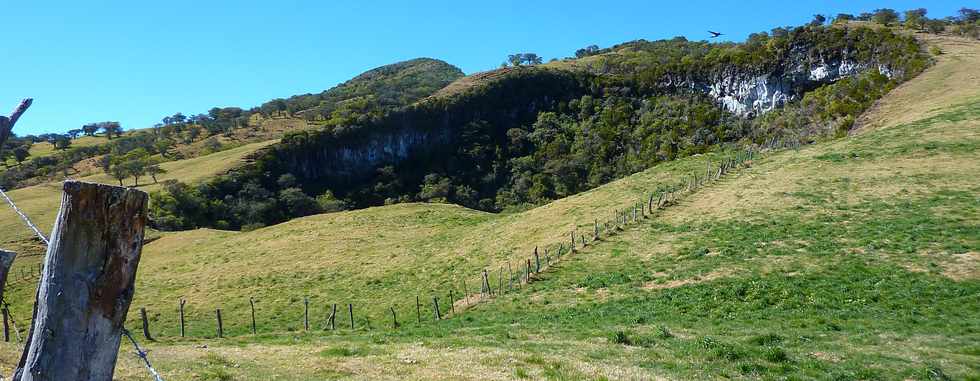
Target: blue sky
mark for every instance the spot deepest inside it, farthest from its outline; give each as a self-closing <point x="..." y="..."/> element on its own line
<point x="136" y="61"/>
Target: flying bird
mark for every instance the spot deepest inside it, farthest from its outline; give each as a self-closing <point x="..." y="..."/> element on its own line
<point x="714" y="34"/>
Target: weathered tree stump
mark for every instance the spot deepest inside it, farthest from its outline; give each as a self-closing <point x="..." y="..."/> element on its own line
<point x="87" y="284"/>
<point x="7" y="124"/>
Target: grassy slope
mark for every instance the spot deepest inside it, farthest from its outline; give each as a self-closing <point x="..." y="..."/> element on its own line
<point x="856" y="258"/>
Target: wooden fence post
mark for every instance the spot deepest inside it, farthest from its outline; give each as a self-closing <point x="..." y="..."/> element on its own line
<point x="537" y="261"/>
<point x="333" y="318"/>
<point x="251" y="303"/>
<point x="350" y="311"/>
<point x="452" y="302"/>
<point x="500" y="281"/>
<point x="306" y="313"/>
<point x="486" y="283"/>
<point x="466" y="295"/>
<point x="92" y="257"/>
<point x="527" y="278"/>
<point x="435" y="308"/>
<point x="418" y="309"/>
<point x="596" y="237"/>
<point x="394" y="318"/>
<point x="221" y="328"/>
<point x="510" y="276"/>
<point x="6" y="261"/>
<point x="146" y="324"/>
<point x="7" y="123"/>
<point x="6" y="324"/>
<point x="181" y="305"/>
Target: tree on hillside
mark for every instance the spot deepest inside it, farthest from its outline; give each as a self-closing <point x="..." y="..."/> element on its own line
<point x="61" y="142"/>
<point x="885" y="16"/>
<point x="590" y="50"/>
<point x="119" y="173"/>
<point x="515" y="59"/>
<point x="74" y="133"/>
<point x="90" y="129"/>
<point x="915" y="18"/>
<point x="154" y="170"/>
<point x="21" y="153"/>
<point x="818" y="20"/>
<point x="111" y="129"/>
<point x="532" y="59"/>
<point x="969" y="15"/>
<point x="135" y="163"/>
<point x="843" y="17"/>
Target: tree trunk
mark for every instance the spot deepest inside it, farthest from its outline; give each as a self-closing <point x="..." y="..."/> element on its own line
<point x="7" y="124"/>
<point x="87" y="284"/>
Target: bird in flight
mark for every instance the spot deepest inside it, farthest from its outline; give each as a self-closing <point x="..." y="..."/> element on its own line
<point x="714" y="34"/>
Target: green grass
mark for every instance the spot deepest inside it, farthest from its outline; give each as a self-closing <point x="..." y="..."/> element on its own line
<point x="850" y="259"/>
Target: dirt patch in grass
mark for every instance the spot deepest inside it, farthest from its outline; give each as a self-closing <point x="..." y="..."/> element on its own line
<point x="717" y="274"/>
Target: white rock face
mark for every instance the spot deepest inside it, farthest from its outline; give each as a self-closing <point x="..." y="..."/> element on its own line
<point x="756" y="94"/>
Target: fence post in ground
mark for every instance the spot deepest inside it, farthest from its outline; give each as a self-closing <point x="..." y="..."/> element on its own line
<point x="221" y="327"/>
<point x="6" y="260"/>
<point x="486" y="283"/>
<point x="466" y="294"/>
<point x="435" y="308"/>
<point x="452" y="302"/>
<point x="510" y="276"/>
<point x="418" y="309"/>
<point x="537" y="261"/>
<point x="394" y="318"/>
<point x="251" y="303"/>
<point x="146" y="324"/>
<point x="6" y="324"/>
<point x="181" y="316"/>
<point x="333" y="317"/>
<point x="306" y="313"/>
<point x="527" y="278"/>
<point x="500" y="281"/>
<point x="572" y="246"/>
<point x="350" y="313"/>
<point x="92" y="257"/>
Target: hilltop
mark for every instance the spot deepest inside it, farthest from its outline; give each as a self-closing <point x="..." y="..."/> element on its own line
<point x="853" y="256"/>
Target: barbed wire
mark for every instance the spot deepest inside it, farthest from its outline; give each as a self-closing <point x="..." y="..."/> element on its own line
<point x="25" y="218"/>
<point x="142" y="355"/>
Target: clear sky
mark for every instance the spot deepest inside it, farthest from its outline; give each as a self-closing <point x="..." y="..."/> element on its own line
<point x="136" y="61"/>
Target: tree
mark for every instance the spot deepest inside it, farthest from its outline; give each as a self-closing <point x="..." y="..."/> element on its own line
<point x="111" y="129"/>
<point x="90" y="129"/>
<point x="119" y="173"/>
<point x="61" y="142"/>
<point x="515" y="59"/>
<point x="590" y="50"/>
<point x="885" y="16"/>
<point x="74" y="133"/>
<point x="328" y="203"/>
<point x="818" y="20"/>
<point x="969" y="15"/>
<point x="154" y="170"/>
<point x="915" y="18"/>
<point x="843" y="17"/>
<point x="531" y="59"/>
<point x="21" y="153"/>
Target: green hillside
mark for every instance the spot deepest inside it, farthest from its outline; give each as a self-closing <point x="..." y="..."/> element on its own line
<point x="854" y="258"/>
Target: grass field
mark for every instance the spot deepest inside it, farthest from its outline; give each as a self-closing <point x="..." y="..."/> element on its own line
<point x="851" y="259"/>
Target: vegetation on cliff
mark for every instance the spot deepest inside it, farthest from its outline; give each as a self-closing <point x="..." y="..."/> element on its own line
<point x="522" y="136"/>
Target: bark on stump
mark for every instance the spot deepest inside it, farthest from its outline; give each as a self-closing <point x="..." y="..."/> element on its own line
<point x="87" y="284"/>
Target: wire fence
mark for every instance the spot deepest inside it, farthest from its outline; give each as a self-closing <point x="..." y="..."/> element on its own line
<point x="491" y="282"/>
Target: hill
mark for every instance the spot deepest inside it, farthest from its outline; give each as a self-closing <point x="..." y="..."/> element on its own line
<point x="518" y="137"/>
<point x="370" y="94"/>
<point x="853" y="258"/>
